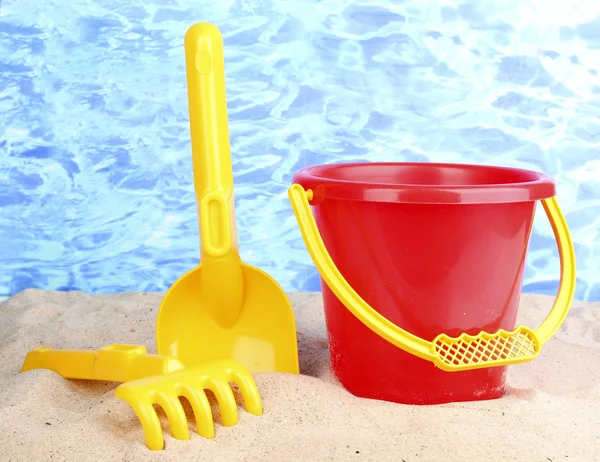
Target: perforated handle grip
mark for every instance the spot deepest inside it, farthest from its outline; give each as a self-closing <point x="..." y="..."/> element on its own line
<point x="215" y="221"/>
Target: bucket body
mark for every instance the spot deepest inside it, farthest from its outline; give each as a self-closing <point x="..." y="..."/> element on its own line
<point x="435" y="248"/>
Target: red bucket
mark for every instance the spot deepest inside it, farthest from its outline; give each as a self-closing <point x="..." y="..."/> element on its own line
<point x="434" y="248"/>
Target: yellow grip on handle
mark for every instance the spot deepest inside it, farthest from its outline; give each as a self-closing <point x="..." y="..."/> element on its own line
<point x="216" y="225"/>
<point x="205" y="70"/>
<point x="451" y="354"/>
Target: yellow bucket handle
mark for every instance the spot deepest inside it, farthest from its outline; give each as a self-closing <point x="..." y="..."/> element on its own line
<point x="448" y="353"/>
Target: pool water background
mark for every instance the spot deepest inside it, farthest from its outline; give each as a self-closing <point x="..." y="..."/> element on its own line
<point x="96" y="187"/>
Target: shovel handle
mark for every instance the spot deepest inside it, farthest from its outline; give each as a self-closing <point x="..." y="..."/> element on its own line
<point x="211" y="155"/>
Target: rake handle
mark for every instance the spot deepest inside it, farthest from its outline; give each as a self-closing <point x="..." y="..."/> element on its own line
<point x="112" y="363"/>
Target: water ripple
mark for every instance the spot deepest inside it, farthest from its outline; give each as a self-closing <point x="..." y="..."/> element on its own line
<point x="96" y="188"/>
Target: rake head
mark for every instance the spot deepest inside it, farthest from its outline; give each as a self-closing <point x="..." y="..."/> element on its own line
<point x="190" y="383"/>
<point x="485" y="350"/>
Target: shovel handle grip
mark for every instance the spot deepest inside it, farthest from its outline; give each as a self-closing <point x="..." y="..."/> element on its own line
<point x="216" y="224"/>
<point x="205" y="70"/>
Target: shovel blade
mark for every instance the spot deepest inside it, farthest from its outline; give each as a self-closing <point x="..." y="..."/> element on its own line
<point x="263" y="339"/>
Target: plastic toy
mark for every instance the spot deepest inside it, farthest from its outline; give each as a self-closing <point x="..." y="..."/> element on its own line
<point x="439" y="249"/>
<point x="220" y="321"/>
<point x="154" y="379"/>
<point x="223" y="308"/>
<point x="190" y="383"/>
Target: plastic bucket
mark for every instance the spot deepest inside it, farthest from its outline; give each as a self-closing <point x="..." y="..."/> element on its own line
<point x="433" y="249"/>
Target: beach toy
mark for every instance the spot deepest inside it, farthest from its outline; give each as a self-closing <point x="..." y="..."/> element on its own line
<point x="421" y="267"/>
<point x="223" y="308"/>
<point x="154" y="379"/>
<point x="220" y="321"/>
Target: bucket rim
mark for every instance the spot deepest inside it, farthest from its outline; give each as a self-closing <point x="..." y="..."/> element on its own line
<point x="326" y="182"/>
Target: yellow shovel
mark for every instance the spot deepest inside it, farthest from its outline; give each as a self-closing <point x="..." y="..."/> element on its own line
<point x="224" y="308"/>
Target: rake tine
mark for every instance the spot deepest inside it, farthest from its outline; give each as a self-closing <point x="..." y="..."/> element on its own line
<point x="249" y="390"/>
<point x="202" y="411"/>
<point x="175" y="414"/>
<point x="227" y="403"/>
<point x="166" y="389"/>
<point x="150" y="424"/>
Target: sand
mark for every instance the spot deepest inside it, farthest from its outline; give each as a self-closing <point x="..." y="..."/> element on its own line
<point x="551" y="411"/>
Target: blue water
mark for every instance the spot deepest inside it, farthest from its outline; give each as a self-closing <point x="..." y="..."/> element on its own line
<point x="96" y="188"/>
